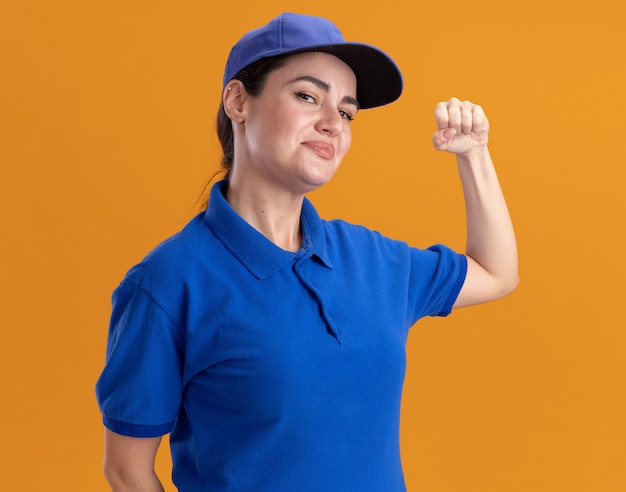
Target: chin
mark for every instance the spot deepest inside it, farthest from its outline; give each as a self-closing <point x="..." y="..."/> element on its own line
<point x="314" y="182"/>
<point x="322" y="176"/>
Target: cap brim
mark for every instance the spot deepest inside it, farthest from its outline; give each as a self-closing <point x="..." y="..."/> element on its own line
<point x="379" y="80"/>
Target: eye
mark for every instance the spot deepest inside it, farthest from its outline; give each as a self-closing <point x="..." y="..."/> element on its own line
<point x="305" y="97"/>
<point x="346" y="115"/>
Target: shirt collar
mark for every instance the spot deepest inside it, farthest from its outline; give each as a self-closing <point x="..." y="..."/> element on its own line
<point x="257" y="253"/>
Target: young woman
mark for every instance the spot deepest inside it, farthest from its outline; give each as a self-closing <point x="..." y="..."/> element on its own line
<point x="269" y="343"/>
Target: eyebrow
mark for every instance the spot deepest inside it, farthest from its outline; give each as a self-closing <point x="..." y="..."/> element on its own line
<point x="325" y="86"/>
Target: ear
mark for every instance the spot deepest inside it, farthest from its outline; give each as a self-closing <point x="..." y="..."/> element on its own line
<point x="234" y="97"/>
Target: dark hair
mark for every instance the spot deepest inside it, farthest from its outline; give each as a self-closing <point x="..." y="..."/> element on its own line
<point x="253" y="77"/>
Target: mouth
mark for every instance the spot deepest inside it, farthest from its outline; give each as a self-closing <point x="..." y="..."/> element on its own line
<point x="322" y="149"/>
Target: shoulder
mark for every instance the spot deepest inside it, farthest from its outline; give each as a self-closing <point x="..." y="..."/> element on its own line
<point x="172" y="263"/>
<point x="338" y="228"/>
<point x="353" y="239"/>
<point x="346" y="240"/>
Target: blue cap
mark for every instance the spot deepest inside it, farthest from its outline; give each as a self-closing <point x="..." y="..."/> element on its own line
<point x="379" y="80"/>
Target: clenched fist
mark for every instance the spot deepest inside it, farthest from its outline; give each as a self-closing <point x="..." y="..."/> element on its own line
<point x="461" y="127"/>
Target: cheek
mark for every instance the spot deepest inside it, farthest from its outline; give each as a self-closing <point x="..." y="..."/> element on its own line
<point x="264" y="133"/>
<point x="346" y="142"/>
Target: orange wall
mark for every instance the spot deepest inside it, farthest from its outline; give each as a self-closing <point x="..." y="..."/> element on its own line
<point x="106" y="139"/>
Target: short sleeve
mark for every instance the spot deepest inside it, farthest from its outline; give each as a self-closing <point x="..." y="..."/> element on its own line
<point x="437" y="275"/>
<point x="140" y="389"/>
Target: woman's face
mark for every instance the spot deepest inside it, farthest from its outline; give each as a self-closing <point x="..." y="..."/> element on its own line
<point x="297" y="131"/>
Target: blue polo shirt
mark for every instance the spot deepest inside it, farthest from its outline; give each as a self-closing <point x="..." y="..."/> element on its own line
<point x="272" y="370"/>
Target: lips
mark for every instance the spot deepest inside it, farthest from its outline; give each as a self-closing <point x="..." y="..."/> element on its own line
<point x="323" y="149"/>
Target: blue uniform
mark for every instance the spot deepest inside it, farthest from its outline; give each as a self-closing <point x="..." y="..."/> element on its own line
<point x="273" y="371"/>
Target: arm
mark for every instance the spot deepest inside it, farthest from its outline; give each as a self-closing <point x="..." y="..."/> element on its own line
<point x="129" y="462"/>
<point x="491" y="249"/>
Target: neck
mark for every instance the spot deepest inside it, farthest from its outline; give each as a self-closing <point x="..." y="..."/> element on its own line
<point x="274" y="213"/>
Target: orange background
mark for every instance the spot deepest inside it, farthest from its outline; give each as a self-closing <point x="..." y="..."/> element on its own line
<point x="107" y="138"/>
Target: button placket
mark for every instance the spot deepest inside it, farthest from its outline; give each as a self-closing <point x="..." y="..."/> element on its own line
<point x="299" y="269"/>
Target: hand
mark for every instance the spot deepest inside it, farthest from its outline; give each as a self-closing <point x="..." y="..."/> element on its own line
<point x="461" y="127"/>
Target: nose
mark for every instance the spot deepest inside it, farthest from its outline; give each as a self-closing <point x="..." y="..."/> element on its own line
<point x="330" y="123"/>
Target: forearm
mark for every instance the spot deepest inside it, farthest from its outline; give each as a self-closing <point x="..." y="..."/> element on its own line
<point x="491" y="242"/>
<point x="129" y="463"/>
<point x="131" y="481"/>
